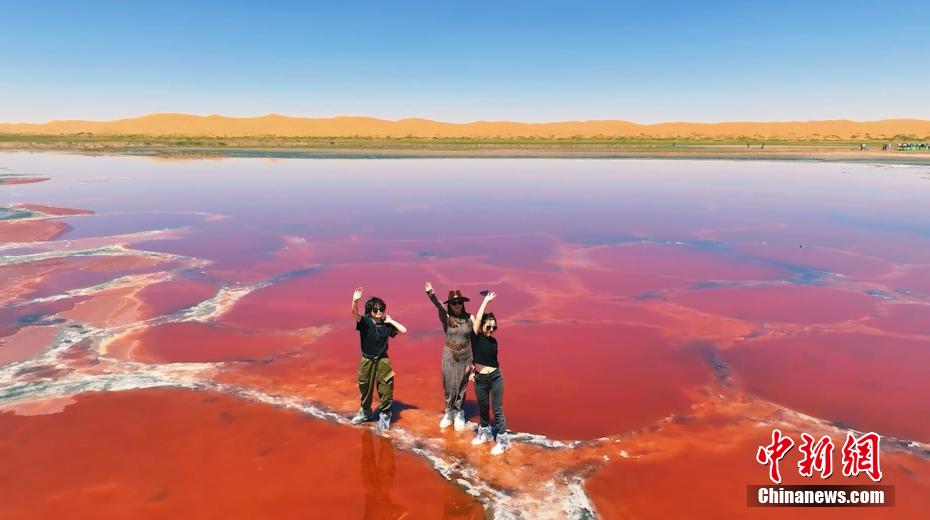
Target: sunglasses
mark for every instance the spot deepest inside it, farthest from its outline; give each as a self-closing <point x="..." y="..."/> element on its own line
<point x="377" y="309"/>
<point x="490" y="328"/>
<point x="456" y="302"/>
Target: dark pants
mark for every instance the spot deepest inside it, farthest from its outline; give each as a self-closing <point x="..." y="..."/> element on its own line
<point x="491" y="386"/>
<point x="376" y="374"/>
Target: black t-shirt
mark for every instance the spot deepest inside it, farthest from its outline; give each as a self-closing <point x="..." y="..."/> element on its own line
<point x="484" y="350"/>
<point x="374" y="336"/>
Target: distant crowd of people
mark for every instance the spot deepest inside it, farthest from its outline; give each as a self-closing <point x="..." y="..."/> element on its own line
<point x="914" y="146"/>
<point x="901" y="147"/>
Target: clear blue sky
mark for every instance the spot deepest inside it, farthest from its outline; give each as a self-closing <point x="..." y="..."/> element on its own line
<point x="467" y="60"/>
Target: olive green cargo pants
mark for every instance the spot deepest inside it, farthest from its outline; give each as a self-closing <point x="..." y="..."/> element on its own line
<point x="376" y="374"/>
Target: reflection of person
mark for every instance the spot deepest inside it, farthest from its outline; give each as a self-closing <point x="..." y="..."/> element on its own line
<point x="378" y="479"/>
<point x="456" y="355"/>
<point x="459" y="505"/>
<point x="489" y="382"/>
<point x="374" y="369"/>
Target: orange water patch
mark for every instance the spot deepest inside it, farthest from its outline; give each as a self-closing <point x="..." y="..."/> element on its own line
<point x="109" y="308"/>
<point x="709" y="479"/>
<point x="869" y="382"/>
<point x="38" y="230"/>
<point x="302" y="375"/>
<point x="47" y="406"/>
<point x="686" y="323"/>
<point x="567" y="382"/>
<point x="173" y="453"/>
<point x="677" y="322"/>
<point x="585" y="381"/>
<point x="57" y="275"/>
<point x="326" y="376"/>
<point x="309" y="300"/>
<point x="780" y="303"/>
<point x="191" y="342"/>
<point x="324" y="371"/>
<point x="22" y="279"/>
<point x="26" y="343"/>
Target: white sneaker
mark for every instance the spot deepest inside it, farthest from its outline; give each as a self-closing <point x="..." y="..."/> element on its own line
<point x="484" y="435"/>
<point x="503" y="444"/>
<point x="361" y="416"/>
<point x="446" y="420"/>
<point x="459" y="420"/>
<point x="384" y="421"/>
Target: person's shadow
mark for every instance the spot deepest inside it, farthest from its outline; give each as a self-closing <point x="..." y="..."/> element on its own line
<point x="378" y="478"/>
<point x="398" y="407"/>
<point x="470" y="407"/>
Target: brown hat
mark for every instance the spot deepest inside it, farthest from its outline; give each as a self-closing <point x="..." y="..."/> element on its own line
<point x="456" y="295"/>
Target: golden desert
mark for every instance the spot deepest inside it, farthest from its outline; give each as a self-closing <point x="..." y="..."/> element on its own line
<point x="351" y="126"/>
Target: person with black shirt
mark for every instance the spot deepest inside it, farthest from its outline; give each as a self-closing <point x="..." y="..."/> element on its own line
<point x="489" y="382"/>
<point x="374" y="369"/>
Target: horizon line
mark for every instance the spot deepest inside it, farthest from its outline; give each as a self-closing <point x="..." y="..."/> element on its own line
<point x="448" y="122"/>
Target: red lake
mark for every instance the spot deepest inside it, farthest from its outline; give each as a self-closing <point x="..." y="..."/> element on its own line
<point x="176" y="337"/>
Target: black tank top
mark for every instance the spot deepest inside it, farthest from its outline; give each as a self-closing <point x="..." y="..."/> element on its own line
<point x="484" y="350"/>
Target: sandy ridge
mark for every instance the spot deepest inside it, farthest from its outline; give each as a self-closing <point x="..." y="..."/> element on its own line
<point x="346" y="126"/>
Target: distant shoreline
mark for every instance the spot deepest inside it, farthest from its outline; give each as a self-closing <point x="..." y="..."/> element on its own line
<point x="364" y="127"/>
<point x="282" y="147"/>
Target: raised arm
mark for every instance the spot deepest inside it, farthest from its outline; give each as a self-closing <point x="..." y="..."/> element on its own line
<point x="400" y="328"/>
<point x="476" y="324"/>
<point x="356" y="296"/>
<point x="443" y="315"/>
<point x="432" y="297"/>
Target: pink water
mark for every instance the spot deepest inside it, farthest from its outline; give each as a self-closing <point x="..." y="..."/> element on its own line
<point x="653" y="311"/>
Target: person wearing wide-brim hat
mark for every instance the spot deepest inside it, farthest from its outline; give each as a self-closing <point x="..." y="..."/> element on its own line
<point x="456" y="354"/>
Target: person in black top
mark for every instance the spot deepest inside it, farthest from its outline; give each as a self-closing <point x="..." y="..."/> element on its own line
<point x="374" y="369"/>
<point x="489" y="382"/>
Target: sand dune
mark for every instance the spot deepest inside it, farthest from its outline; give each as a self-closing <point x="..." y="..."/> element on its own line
<point x="276" y="125"/>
